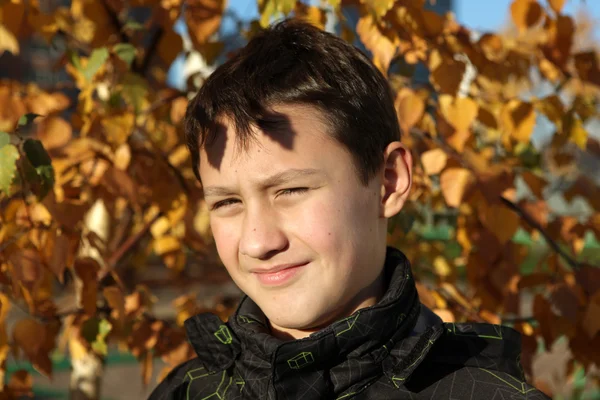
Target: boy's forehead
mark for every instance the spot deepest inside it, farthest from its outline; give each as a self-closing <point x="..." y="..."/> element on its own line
<point x="289" y="126"/>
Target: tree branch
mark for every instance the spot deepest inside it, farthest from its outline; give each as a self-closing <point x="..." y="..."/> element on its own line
<point x="514" y="207"/>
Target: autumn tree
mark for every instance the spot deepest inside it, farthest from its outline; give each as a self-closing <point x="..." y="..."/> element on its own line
<point x="97" y="188"/>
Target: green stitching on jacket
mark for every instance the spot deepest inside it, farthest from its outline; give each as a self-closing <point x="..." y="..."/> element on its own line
<point x="301" y="360"/>
<point x="219" y="393"/>
<point x="224" y="335"/>
<point x="345" y="395"/>
<point x="246" y="319"/>
<point x="520" y="389"/>
<point x="351" y="320"/>
<point x="240" y="381"/>
<point x="497" y="328"/>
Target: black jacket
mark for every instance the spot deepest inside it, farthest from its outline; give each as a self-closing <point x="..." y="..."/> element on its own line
<point x="396" y="349"/>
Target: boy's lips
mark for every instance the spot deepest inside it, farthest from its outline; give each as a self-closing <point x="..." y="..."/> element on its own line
<point x="279" y="274"/>
<point x="276" y="268"/>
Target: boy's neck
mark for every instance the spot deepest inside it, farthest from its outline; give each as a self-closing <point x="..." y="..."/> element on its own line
<point x="367" y="297"/>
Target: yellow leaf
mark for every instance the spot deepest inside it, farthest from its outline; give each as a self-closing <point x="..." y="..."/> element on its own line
<point x="122" y="157"/>
<point x="410" y="109"/>
<point x="518" y="119"/>
<point x="454" y="183"/>
<point x="117" y="128"/>
<point x="8" y="41"/>
<point x="203" y="18"/>
<point x="460" y="112"/>
<point x="578" y="134"/>
<point x="166" y="244"/>
<point x="442" y="267"/>
<point x="381" y="44"/>
<point x="525" y="13"/>
<point x="434" y="161"/>
<point x="311" y="14"/>
<point x="556" y="5"/>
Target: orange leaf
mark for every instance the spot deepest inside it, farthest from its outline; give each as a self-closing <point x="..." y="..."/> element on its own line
<point x="454" y="183"/>
<point x="410" y="108"/>
<point x="87" y="270"/>
<point x="169" y="46"/>
<point x="203" y="18"/>
<point x="178" y="107"/>
<point x="535" y="183"/>
<point x="115" y="299"/>
<point x="54" y="132"/>
<point x="499" y="220"/>
<point x="591" y="318"/>
<point x="21" y="384"/>
<point x="434" y="161"/>
<point x="446" y="73"/>
<point x="556" y="5"/>
<point x="28" y="335"/>
<point x="525" y="13"/>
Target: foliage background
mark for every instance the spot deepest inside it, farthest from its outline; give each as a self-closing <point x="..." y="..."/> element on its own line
<point x="102" y="222"/>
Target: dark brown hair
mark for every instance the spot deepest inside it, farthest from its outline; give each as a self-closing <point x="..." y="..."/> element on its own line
<point x="295" y="62"/>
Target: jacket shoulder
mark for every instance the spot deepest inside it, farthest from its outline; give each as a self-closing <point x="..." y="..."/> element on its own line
<point x="474" y="361"/>
<point x="192" y="379"/>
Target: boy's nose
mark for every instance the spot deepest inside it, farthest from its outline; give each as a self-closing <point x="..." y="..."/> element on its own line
<point x="262" y="237"/>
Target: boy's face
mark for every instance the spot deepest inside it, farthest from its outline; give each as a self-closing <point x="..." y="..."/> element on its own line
<point x="295" y="200"/>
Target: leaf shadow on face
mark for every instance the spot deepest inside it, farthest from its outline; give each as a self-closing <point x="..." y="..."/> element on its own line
<point x="276" y="126"/>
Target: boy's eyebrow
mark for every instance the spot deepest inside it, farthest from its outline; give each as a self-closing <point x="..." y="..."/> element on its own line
<point x="273" y="180"/>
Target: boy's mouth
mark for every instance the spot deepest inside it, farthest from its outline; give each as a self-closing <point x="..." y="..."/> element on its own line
<point x="279" y="274"/>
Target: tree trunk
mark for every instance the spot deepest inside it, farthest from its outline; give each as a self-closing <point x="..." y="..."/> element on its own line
<point x="87" y="368"/>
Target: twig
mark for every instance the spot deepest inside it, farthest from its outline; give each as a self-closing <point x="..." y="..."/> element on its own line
<point x="570" y="260"/>
<point x="126" y="246"/>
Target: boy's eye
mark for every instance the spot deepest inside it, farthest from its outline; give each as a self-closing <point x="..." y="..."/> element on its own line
<point x="286" y="192"/>
<point x="223" y="203"/>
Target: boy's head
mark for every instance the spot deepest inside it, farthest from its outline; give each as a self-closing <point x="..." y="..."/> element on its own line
<point x="296" y="142"/>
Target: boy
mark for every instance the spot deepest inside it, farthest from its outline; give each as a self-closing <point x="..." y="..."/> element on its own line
<point x="297" y="146"/>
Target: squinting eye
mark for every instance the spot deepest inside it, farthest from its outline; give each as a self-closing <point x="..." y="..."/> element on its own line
<point x="286" y="192"/>
<point x="223" y="203"/>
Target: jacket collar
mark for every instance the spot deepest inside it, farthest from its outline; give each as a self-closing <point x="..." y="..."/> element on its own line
<point x="367" y="337"/>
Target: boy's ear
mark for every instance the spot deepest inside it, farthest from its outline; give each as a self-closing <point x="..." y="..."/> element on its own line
<point x="396" y="178"/>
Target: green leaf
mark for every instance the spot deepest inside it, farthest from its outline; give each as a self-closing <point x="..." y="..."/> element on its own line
<point x="133" y="25"/>
<point x="4" y="139"/>
<point x="134" y="91"/>
<point x="104" y="328"/>
<point x="125" y="52"/>
<point x="75" y="60"/>
<point x="9" y="155"/>
<point x="27" y="118"/>
<point x="40" y="160"/>
<point x="100" y="347"/>
<point x="96" y="60"/>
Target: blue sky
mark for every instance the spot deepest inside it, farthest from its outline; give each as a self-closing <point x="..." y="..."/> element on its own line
<point x="484" y="15"/>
